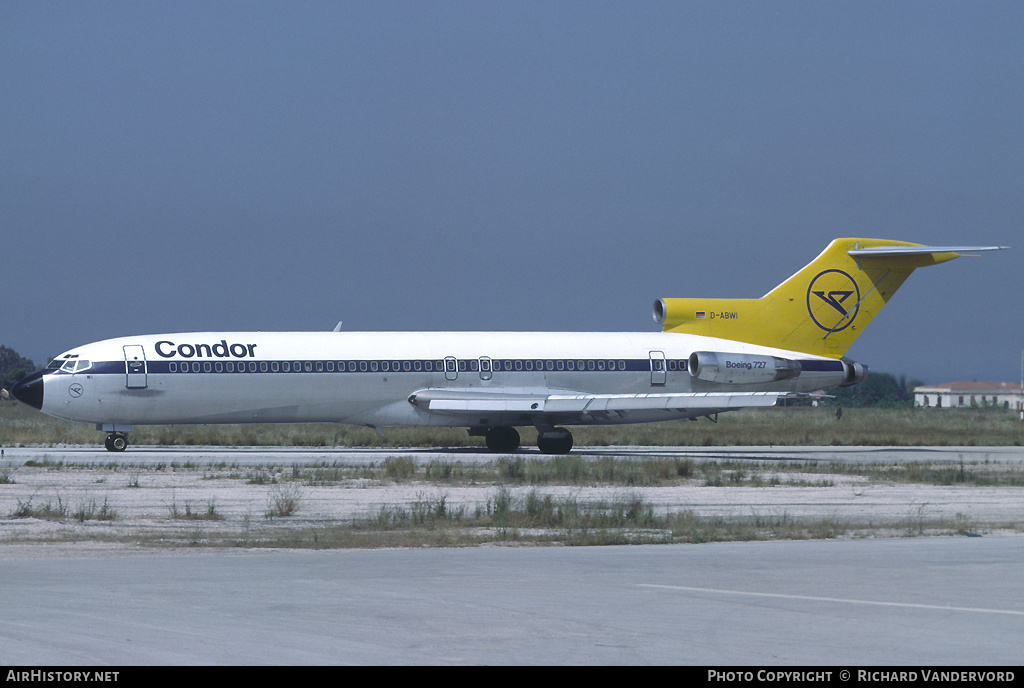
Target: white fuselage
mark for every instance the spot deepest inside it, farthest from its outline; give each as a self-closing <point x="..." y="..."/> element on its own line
<point x="373" y="378"/>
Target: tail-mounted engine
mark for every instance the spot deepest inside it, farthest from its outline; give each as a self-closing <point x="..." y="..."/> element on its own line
<point x="855" y="372"/>
<point x="725" y="368"/>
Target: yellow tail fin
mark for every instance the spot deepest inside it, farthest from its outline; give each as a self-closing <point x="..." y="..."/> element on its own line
<point x="821" y="309"/>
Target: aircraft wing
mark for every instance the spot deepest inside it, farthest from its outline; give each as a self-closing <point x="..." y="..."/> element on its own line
<point x="567" y="402"/>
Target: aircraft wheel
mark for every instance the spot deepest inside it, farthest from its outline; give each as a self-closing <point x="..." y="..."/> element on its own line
<point x="502" y="440"/>
<point x="116" y="443"/>
<point x="558" y="441"/>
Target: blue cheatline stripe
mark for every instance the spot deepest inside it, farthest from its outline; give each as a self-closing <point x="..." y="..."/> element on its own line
<point x="400" y="366"/>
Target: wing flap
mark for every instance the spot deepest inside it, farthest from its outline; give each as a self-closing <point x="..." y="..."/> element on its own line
<point x="456" y="401"/>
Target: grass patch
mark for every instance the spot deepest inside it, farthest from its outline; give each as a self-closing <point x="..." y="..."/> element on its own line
<point x="62" y="511"/>
<point x="537" y="518"/>
<point x="210" y="513"/>
<point x="783" y="426"/>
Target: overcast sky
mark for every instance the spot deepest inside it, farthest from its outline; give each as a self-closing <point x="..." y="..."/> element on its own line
<point x="170" y="166"/>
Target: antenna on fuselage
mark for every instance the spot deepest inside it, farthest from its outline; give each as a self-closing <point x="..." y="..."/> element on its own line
<point x="337" y="328"/>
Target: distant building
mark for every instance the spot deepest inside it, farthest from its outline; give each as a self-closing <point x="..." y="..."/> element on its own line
<point x="1005" y="395"/>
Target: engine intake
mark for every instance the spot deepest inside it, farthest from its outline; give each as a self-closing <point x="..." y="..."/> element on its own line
<point x="726" y="368"/>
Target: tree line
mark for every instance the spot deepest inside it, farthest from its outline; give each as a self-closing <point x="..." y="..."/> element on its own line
<point x="13" y="367"/>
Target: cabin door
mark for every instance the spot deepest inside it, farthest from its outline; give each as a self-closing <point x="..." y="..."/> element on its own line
<point x="658" y="368"/>
<point x="451" y="368"/>
<point x="135" y="367"/>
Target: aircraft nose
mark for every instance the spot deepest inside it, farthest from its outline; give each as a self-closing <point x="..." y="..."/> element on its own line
<point x="29" y="390"/>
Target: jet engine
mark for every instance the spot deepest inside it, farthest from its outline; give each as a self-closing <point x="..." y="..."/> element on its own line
<point x="855" y="372"/>
<point x="726" y="368"/>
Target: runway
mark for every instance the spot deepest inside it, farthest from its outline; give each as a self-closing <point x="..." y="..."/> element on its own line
<point x="142" y="455"/>
<point x="878" y="601"/>
<point x="932" y="601"/>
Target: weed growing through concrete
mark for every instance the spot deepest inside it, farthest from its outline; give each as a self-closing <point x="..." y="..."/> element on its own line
<point x="284" y="500"/>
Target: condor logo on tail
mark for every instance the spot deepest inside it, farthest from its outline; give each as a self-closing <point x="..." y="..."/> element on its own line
<point x="833" y="300"/>
<point x="843" y="289"/>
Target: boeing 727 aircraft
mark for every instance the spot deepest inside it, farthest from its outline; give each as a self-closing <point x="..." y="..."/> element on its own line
<point x="713" y="355"/>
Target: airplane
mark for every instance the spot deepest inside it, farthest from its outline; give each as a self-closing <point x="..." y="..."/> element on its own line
<point x="712" y="356"/>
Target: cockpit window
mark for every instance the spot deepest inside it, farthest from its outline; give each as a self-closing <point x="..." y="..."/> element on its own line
<point x="69" y="366"/>
<point x="55" y="364"/>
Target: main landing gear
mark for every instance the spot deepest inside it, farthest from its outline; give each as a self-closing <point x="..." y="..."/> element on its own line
<point x="116" y="442"/>
<point x="502" y="439"/>
<point x="505" y="440"/>
<point x="555" y="441"/>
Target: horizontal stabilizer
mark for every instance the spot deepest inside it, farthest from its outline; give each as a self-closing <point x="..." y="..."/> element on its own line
<point x="919" y="250"/>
